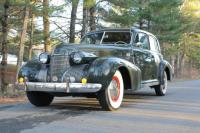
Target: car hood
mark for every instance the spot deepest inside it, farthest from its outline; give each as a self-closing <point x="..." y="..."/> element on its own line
<point x="115" y="50"/>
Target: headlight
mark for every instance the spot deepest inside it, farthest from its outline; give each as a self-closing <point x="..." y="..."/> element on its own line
<point x="44" y="58"/>
<point x="77" y="57"/>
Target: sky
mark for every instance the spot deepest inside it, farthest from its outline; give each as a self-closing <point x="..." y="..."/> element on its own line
<point x="63" y="22"/>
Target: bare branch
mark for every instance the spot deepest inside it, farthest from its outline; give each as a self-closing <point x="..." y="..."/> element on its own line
<point x="60" y="28"/>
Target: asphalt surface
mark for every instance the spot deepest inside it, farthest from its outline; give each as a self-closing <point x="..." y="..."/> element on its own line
<point x="142" y="112"/>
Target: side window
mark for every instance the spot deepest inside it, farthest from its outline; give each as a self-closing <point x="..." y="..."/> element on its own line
<point x="142" y="38"/>
<point x="158" y="45"/>
<point x="154" y="44"/>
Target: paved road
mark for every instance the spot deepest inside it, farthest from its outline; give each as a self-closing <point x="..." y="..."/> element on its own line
<point x="177" y="112"/>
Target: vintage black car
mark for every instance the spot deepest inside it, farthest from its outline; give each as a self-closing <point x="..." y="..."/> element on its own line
<point x="106" y="64"/>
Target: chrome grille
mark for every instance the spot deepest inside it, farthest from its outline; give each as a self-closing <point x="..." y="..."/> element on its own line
<point x="59" y="64"/>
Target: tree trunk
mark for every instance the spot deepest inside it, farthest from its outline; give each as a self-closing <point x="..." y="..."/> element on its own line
<point x="85" y="20"/>
<point x="190" y="68"/>
<point x="140" y="23"/>
<point x="47" y="41"/>
<point x="22" y="38"/>
<point x="140" y="16"/>
<point x="177" y="65"/>
<point x="31" y="37"/>
<point x="73" y="20"/>
<point x="148" y="24"/>
<point x="181" y="65"/>
<point x="172" y="61"/>
<point x="92" y="19"/>
<point x="4" y="23"/>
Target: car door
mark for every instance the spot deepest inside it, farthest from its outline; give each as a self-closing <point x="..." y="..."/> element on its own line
<point x="143" y="58"/>
<point x="156" y="52"/>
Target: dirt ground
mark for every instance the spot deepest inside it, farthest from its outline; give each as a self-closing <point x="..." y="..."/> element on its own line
<point x="5" y="100"/>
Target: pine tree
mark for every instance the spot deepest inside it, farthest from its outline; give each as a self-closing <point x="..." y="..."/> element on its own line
<point x="46" y="24"/>
<point x="119" y="13"/>
<point x="89" y="16"/>
<point x="92" y="16"/>
<point x="73" y="20"/>
<point x="4" y="23"/>
<point x="189" y="41"/>
<point x="23" y="35"/>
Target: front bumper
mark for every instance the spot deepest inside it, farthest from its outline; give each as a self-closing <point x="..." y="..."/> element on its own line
<point x="59" y="87"/>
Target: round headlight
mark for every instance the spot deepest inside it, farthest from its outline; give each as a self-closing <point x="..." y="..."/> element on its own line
<point x="77" y="58"/>
<point x="44" y="58"/>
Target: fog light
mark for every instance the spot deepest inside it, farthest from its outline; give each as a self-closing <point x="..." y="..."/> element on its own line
<point x="84" y="81"/>
<point x="21" y="80"/>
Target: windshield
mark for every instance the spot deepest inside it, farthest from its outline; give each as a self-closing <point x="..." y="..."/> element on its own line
<point x="117" y="38"/>
<point x="108" y="37"/>
<point x="94" y="38"/>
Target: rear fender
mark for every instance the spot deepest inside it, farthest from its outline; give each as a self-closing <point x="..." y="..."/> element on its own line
<point x="165" y="67"/>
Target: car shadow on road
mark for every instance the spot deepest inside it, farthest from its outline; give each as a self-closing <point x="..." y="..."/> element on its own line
<point x="139" y="95"/>
<point x="92" y="104"/>
<point x="60" y="109"/>
<point x="77" y="104"/>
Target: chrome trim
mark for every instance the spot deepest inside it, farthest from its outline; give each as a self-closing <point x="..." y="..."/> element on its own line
<point x="102" y="37"/>
<point x="58" y="64"/>
<point x="59" y="87"/>
<point x="148" y="83"/>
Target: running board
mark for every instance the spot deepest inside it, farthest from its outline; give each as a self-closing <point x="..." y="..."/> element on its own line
<point x="149" y="83"/>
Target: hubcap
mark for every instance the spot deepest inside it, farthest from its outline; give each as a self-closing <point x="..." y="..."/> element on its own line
<point x="114" y="89"/>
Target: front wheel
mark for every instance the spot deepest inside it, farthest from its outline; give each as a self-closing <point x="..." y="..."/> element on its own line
<point x="39" y="98"/>
<point x="111" y="97"/>
<point x="162" y="88"/>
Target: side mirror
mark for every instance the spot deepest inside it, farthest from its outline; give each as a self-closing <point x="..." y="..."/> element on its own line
<point x="138" y="44"/>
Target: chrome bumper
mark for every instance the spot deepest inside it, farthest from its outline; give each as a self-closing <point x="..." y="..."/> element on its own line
<point x="59" y="87"/>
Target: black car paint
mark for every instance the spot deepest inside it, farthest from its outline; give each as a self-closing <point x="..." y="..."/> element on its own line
<point x="103" y="69"/>
<point x="141" y="65"/>
<point x="111" y="58"/>
<point x="30" y="70"/>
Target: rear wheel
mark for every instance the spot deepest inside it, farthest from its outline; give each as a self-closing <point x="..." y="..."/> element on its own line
<point x="111" y="97"/>
<point x="39" y="98"/>
<point x="162" y="88"/>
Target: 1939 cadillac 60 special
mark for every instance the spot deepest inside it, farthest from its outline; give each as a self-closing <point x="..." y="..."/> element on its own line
<point x="106" y="64"/>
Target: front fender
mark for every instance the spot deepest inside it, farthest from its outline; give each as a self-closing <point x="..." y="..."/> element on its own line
<point x="30" y="70"/>
<point x="103" y="69"/>
<point x="165" y="66"/>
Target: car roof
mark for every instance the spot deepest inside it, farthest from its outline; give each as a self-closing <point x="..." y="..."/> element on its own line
<point x="122" y="30"/>
<point x="139" y="30"/>
<point x="111" y="29"/>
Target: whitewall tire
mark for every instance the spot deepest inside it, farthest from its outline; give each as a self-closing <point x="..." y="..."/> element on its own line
<point x="162" y="88"/>
<point x="111" y="98"/>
